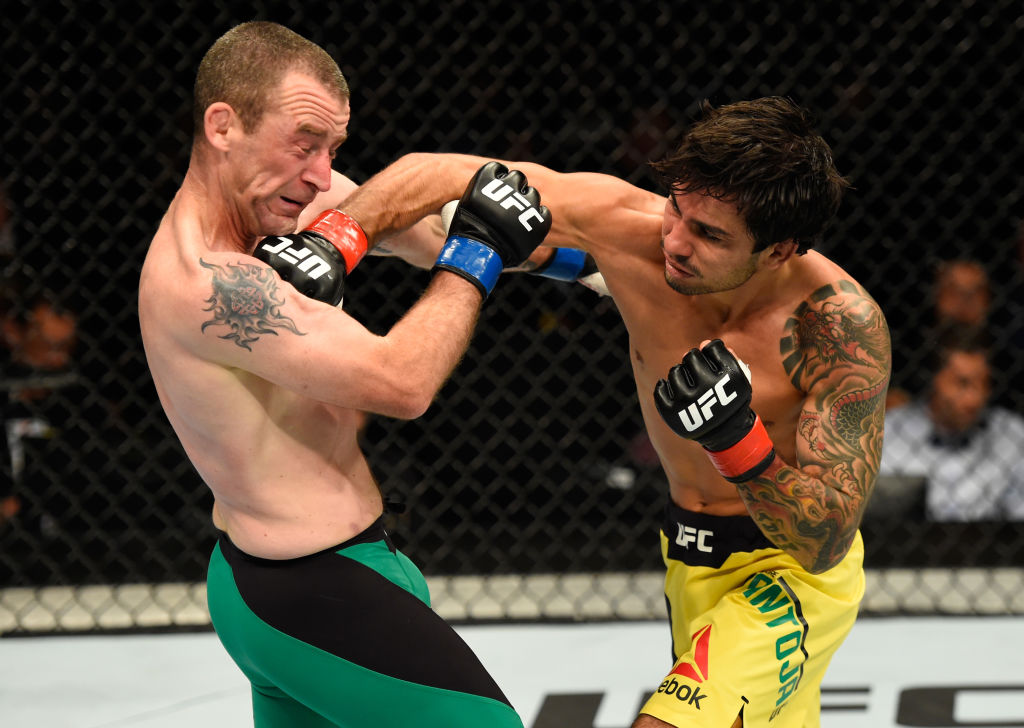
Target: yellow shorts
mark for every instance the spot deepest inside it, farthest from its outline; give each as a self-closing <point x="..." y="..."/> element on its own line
<point x="752" y="631"/>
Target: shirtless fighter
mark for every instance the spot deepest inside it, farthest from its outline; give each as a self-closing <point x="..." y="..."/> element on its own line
<point x="264" y="380"/>
<point x="768" y="473"/>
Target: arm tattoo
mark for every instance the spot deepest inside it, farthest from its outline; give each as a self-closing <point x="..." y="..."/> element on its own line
<point x="246" y="300"/>
<point x="833" y="328"/>
<point x="836" y="349"/>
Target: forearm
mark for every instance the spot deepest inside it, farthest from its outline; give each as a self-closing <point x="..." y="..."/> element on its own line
<point x="811" y="519"/>
<point x="484" y="237"/>
<point x="590" y="210"/>
<point x="408" y="190"/>
<point x="418" y="246"/>
<point x="423" y="348"/>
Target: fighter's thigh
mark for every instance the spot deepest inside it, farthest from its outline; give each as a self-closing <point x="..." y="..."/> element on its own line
<point x="350" y="694"/>
<point x="351" y="645"/>
<point x="739" y="660"/>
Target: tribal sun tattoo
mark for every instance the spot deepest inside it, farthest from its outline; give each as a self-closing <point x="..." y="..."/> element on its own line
<point x="245" y="299"/>
<point x="836" y="348"/>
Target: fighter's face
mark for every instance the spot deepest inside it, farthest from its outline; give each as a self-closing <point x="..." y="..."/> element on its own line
<point x="706" y="244"/>
<point x="286" y="161"/>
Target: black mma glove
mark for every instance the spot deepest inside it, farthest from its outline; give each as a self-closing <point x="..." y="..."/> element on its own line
<point x="498" y="223"/>
<point x="707" y="399"/>
<point x="317" y="260"/>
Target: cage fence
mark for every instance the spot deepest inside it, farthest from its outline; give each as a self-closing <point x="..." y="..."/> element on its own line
<point x="530" y="487"/>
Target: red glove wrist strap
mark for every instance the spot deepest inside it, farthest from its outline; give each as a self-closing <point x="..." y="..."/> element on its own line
<point x="749" y="457"/>
<point x="344" y="233"/>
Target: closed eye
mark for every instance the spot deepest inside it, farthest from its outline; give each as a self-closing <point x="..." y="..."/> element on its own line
<point x="709" y="234"/>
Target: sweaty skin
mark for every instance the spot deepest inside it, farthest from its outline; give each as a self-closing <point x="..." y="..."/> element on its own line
<point x="265" y="388"/>
<point x="816" y="343"/>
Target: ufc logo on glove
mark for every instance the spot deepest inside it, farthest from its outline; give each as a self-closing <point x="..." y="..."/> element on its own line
<point x="693" y="401"/>
<point x="304" y="259"/>
<point x="692" y="415"/>
<point x="501" y="193"/>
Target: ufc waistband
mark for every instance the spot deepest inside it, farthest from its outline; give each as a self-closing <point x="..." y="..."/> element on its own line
<point x="699" y="539"/>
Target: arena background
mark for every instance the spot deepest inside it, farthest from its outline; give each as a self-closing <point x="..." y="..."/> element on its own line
<point x="528" y="470"/>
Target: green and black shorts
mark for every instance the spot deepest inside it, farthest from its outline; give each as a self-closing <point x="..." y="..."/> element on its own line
<point x="346" y="637"/>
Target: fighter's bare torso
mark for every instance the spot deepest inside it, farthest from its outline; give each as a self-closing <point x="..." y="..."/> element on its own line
<point x="663" y="325"/>
<point x="252" y="442"/>
<point x="763" y="321"/>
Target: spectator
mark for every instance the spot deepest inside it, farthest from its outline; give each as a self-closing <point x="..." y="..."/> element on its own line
<point x="967" y="450"/>
<point x="39" y="339"/>
<point x="966" y="292"/>
<point x="42" y="339"/>
<point x="961" y="292"/>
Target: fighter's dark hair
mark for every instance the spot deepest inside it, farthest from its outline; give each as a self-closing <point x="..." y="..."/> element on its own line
<point x="765" y="157"/>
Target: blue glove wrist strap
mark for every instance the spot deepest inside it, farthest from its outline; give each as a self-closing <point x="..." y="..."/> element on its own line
<point x="480" y="261"/>
<point x="564" y="265"/>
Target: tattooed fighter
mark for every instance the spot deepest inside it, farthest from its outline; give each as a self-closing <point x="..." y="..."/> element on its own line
<point x="769" y="475"/>
<point x="265" y="380"/>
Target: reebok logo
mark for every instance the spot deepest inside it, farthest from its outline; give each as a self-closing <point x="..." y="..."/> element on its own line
<point x="700" y="411"/>
<point x="505" y="196"/>
<point x="696" y="670"/>
<point x="304" y="259"/>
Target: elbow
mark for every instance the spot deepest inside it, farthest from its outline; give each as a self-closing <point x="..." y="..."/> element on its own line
<point x="414" y="408"/>
<point x="815" y="562"/>
<point x="818" y="567"/>
<point x="409" y="403"/>
<point x="401" y="386"/>
<point x="825" y="557"/>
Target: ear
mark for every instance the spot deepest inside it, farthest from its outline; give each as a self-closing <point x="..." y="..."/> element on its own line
<point x="778" y="253"/>
<point x="217" y="124"/>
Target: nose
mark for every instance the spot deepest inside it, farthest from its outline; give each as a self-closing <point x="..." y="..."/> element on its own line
<point x="970" y="401"/>
<point x="973" y="399"/>
<point x="675" y="240"/>
<point x="318" y="172"/>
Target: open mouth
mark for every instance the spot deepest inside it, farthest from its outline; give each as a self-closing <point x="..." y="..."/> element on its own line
<point x="677" y="270"/>
<point x="293" y="206"/>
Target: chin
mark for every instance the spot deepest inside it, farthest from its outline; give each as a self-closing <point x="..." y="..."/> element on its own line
<point x="280" y="225"/>
<point x="680" y="286"/>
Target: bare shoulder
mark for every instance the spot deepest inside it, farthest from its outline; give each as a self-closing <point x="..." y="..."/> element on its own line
<point x="837" y="328"/>
<point x="240" y="300"/>
<point x="199" y="300"/>
<point x="619" y="212"/>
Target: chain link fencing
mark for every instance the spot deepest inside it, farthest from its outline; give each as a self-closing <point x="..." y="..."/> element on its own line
<point x="531" y="490"/>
